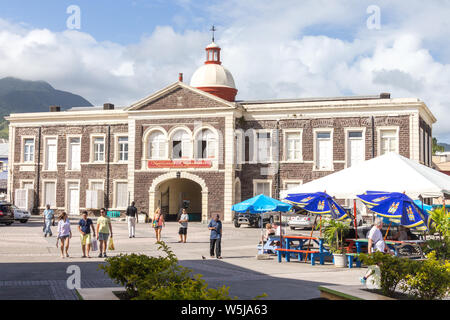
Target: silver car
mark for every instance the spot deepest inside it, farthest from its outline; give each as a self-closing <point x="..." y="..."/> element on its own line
<point x="301" y="221"/>
<point x="21" y="214"/>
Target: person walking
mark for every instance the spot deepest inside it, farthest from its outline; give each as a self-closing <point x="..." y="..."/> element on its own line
<point x="64" y="233"/>
<point x="84" y="226"/>
<point x="157" y="223"/>
<point x="215" y="225"/>
<point x="132" y="219"/>
<point x="376" y="242"/>
<point x="49" y="220"/>
<point x="183" y="221"/>
<point x="104" y="230"/>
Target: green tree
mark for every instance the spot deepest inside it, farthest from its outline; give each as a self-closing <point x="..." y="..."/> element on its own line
<point x="436" y="147"/>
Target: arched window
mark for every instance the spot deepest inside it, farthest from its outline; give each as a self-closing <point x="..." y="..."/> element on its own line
<point x="181" y="145"/>
<point x="206" y="142"/>
<point x="157" y="145"/>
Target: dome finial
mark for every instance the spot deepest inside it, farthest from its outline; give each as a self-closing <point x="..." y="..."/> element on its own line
<point x="213" y="29"/>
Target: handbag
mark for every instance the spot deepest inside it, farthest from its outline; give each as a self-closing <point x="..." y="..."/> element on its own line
<point x="94" y="245"/>
<point x="111" y="244"/>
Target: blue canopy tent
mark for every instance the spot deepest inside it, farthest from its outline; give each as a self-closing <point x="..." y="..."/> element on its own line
<point x="260" y="204"/>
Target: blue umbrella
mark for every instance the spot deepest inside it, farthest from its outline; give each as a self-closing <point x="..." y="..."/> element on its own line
<point x="319" y="203"/>
<point x="260" y="204"/>
<point x="397" y="207"/>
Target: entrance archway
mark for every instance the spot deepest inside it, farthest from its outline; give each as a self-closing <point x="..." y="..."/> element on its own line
<point x="171" y="193"/>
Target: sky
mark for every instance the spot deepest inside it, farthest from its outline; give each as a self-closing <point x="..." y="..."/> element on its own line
<point x="121" y="51"/>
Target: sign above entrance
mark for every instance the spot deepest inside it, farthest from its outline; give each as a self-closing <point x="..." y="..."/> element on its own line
<point x="179" y="164"/>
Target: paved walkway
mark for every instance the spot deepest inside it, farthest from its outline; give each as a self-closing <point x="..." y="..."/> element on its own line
<point x="32" y="268"/>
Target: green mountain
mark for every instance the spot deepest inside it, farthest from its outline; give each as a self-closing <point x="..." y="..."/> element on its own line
<point x="445" y="145"/>
<point x="20" y="96"/>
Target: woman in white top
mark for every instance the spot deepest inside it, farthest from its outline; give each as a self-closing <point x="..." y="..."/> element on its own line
<point x="64" y="233"/>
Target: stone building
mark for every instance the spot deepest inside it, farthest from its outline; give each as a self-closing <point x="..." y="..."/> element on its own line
<point x="196" y="146"/>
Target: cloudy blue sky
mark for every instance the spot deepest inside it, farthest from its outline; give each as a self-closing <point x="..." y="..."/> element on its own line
<point x="125" y="50"/>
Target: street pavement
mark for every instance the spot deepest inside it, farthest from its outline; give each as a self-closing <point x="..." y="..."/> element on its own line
<point x="31" y="266"/>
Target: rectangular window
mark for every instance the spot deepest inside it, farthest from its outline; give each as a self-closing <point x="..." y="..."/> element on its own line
<point x="51" y="154"/>
<point x="123" y="148"/>
<point x="28" y="150"/>
<point x="121" y="195"/>
<point x="27" y="185"/>
<point x="291" y="185"/>
<point x="324" y="151"/>
<point x="50" y="194"/>
<point x="263" y="188"/>
<point x="264" y="146"/>
<point x="96" y="185"/>
<point x="355" y="148"/>
<point x="74" y="154"/>
<point x="421" y="145"/>
<point x="388" y="141"/>
<point x="293" y="146"/>
<point x="99" y="149"/>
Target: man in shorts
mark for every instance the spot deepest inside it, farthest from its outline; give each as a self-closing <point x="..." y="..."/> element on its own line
<point x="84" y="226"/>
<point x="104" y="230"/>
<point x="184" y="218"/>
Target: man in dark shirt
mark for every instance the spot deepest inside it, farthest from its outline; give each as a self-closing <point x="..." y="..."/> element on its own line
<point x="84" y="226"/>
<point x="215" y="225"/>
<point x="132" y="219"/>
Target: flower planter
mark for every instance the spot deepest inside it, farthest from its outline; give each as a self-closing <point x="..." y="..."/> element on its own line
<point x="340" y="260"/>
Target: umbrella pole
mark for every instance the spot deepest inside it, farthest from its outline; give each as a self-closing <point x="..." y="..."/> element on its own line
<point x="281" y="233"/>
<point x="320" y="235"/>
<point x="309" y="243"/>
<point x="356" y="223"/>
<point x="387" y="232"/>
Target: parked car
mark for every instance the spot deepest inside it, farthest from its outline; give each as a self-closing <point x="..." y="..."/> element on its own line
<point x="20" y="214"/>
<point x="6" y="214"/>
<point x="301" y="221"/>
<point x="252" y="219"/>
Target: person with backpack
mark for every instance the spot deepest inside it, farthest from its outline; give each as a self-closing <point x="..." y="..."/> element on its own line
<point x="132" y="219"/>
<point x="183" y="221"/>
<point x="84" y="226"/>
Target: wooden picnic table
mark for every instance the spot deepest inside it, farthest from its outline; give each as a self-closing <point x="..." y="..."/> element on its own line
<point x="300" y="250"/>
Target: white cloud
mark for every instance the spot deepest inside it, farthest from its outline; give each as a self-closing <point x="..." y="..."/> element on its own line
<point x="274" y="50"/>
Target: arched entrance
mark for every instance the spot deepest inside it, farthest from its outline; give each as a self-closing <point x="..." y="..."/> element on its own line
<point x="171" y="193"/>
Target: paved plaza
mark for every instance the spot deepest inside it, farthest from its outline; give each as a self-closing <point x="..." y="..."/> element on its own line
<point x="31" y="266"/>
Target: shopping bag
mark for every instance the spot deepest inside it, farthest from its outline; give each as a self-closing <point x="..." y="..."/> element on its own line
<point x="111" y="244"/>
<point x="94" y="245"/>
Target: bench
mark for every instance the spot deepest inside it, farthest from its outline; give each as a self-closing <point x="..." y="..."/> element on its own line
<point x="353" y="257"/>
<point x="313" y="255"/>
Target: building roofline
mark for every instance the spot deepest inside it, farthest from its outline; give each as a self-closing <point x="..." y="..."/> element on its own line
<point x="316" y="99"/>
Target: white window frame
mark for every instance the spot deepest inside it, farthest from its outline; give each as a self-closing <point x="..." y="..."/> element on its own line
<point x="22" y="150"/>
<point x="215" y="140"/>
<point x="146" y="144"/>
<point x="91" y="181"/>
<point x="256" y="145"/>
<point x="286" y="132"/>
<point x="45" y="164"/>
<point x="66" y="202"/>
<point x="315" y="158"/>
<point x="44" y="195"/>
<point x="22" y="182"/>
<point x="286" y="181"/>
<point x="239" y="149"/>
<point x="92" y="148"/>
<point x="352" y="129"/>
<point x="256" y="181"/>
<point x="68" y="152"/>
<point x="388" y="128"/>
<point x="172" y="132"/>
<point x="115" y="198"/>
<point x="117" y="147"/>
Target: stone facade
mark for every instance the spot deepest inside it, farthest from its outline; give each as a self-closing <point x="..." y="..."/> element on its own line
<point x="181" y="106"/>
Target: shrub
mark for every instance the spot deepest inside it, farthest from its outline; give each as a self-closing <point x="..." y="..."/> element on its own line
<point x="440" y="225"/>
<point x="160" y="278"/>
<point x="431" y="279"/>
<point x="393" y="270"/>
